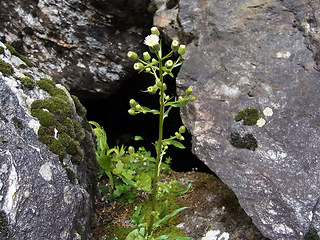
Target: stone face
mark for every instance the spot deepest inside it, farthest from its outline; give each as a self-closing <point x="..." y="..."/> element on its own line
<point x="257" y="54"/>
<point x="41" y="196"/>
<point x="81" y="43"/>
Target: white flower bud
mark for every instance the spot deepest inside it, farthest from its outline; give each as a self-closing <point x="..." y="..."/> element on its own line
<point x="146" y="56"/>
<point x="132" y="55"/>
<point x="175" y="45"/>
<point x="182" y="49"/>
<point x="169" y="64"/>
<point x="138" y="66"/>
<point x="155" y="31"/>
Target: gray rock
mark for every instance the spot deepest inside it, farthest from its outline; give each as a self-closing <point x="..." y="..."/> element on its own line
<point x="257" y="54"/>
<point x="42" y="196"/>
<point x="81" y="43"/>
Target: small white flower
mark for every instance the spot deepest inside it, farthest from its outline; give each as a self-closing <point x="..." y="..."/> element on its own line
<point x="268" y="112"/>
<point x="261" y="122"/>
<point x="151" y="40"/>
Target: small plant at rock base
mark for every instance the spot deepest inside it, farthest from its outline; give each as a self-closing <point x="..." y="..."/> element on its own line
<point x="159" y="67"/>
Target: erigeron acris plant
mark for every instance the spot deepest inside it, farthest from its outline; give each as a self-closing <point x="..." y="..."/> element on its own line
<point x="159" y="66"/>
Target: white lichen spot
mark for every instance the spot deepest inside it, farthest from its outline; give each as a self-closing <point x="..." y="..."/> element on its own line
<point x="283" y="54"/>
<point x="4" y="168"/>
<point x="282" y="229"/>
<point x="45" y="171"/>
<point x="310" y="216"/>
<point x="261" y="122"/>
<point x="216" y="235"/>
<point x="67" y="195"/>
<point x="34" y="124"/>
<point x="10" y="201"/>
<point x="55" y="133"/>
<point x="268" y="112"/>
<point x="232" y="92"/>
<point x="81" y="65"/>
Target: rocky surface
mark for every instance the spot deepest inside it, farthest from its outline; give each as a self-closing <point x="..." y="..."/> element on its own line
<point x="263" y="55"/>
<point x="81" y="43"/>
<point x="42" y="195"/>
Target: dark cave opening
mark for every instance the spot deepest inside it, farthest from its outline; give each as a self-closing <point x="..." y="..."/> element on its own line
<point x="121" y="127"/>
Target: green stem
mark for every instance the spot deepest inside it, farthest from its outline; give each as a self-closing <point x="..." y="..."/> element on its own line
<point x="159" y="148"/>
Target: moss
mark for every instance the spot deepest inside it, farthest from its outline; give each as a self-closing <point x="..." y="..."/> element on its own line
<point x="246" y="142"/>
<point x="312" y="235"/>
<point x="4" y="231"/>
<point x="6" y="68"/>
<point x="152" y="8"/>
<point x="17" y="123"/>
<point x="49" y="86"/>
<point x="28" y="75"/>
<point x="23" y="66"/>
<point x="27" y="82"/>
<point x="171" y="3"/>
<point x="13" y="51"/>
<point x="81" y="110"/>
<point x="70" y="174"/>
<point x="185" y="37"/>
<point x="249" y="116"/>
<point x="55" y="114"/>
<point x="1" y="50"/>
<point x="45" y="118"/>
<point x="79" y="228"/>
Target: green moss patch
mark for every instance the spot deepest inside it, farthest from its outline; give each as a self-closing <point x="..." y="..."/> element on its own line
<point x="249" y="116"/>
<point x="246" y="142"/>
<point x="1" y="50"/>
<point x="171" y="3"/>
<point x="6" y="68"/>
<point x="58" y="130"/>
<point x="27" y="81"/>
<point x="14" y="52"/>
<point x="312" y="235"/>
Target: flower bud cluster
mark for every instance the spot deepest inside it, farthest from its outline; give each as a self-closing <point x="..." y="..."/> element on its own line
<point x="181" y="49"/>
<point x="179" y="136"/>
<point x="135" y="107"/>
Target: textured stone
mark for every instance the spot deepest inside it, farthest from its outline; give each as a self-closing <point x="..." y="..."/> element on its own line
<point x="81" y="43"/>
<point x="257" y="54"/>
<point x="41" y="196"/>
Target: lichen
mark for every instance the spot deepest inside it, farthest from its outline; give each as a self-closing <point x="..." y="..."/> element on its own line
<point x="249" y="116"/>
<point x="6" y="68"/>
<point x="312" y="235"/>
<point x="13" y="51"/>
<point x="246" y="142"/>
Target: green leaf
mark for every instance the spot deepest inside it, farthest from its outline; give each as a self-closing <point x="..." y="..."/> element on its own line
<point x="136" y="234"/>
<point x="136" y="218"/>
<point x="181" y="238"/>
<point x="162" y="237"/>
<point x="163" y="220"/>
<point x="105" y="162"/>
<point x="167" y="112"/>
<point x="164" y="210"/>
<point x="119" y="168"/>
<point x="175" y="143"/>
<point x="138" y="138"/>
<point x="143" y="182"/>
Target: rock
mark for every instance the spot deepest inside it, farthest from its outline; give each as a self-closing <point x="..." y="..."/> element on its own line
<point x="43" y="195"/>
<point x="261" y="55"/>
<point x="81" y="43"/>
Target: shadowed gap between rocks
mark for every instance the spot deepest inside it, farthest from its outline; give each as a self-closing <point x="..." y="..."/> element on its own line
<point x="112" y="114"/>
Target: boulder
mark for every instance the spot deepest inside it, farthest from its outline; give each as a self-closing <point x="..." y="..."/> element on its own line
<point x="81" y="43"/>
<point x="47" y="156"/>
<point x="254" y="68"/>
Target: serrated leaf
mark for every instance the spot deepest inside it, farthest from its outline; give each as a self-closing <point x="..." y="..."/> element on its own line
<point x="105" y="163"/>
<point x="136" y="234"/>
